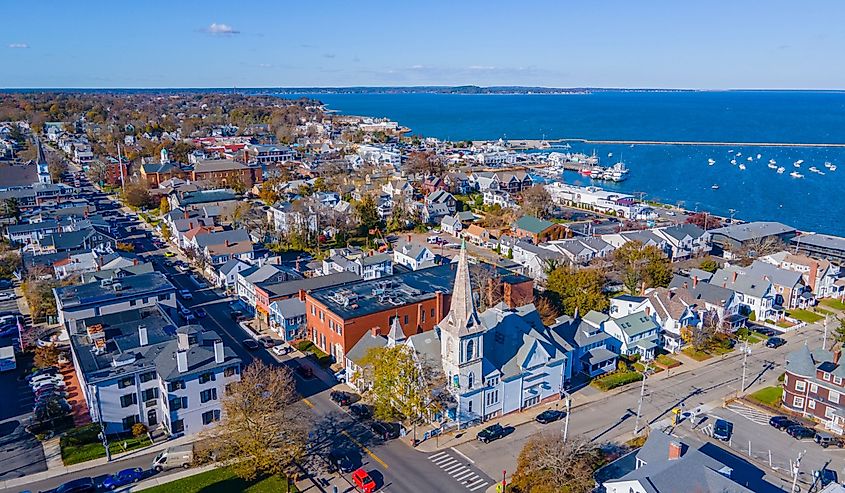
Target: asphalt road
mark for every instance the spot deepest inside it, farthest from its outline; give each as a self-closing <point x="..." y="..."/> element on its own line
<point x="611" y="419"/>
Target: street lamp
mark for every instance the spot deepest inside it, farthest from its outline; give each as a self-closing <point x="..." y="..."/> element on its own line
<point x="566" y="418"/>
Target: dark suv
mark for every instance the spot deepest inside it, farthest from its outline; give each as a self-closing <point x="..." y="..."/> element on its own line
<point x="800" y="432"/>
<point x="492" y="432"/>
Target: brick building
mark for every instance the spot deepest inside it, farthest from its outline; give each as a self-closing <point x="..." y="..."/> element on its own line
<point x="337" y="317"/>
<point x="226" y="172"/>
<point x="814" y="386"/>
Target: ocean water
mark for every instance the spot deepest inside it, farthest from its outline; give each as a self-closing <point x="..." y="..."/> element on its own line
<point x="672" y="174"/>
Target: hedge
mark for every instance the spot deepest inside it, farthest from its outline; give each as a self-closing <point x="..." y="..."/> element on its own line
<point x="617" y="379"/>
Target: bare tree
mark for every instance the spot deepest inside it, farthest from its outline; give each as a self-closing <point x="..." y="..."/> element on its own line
<point x="547" y="463"/>
<point x="262" y="431"/>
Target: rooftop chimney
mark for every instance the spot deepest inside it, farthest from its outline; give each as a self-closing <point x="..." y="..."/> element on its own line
<point x="182" y="361"/>
<point x="219" y="356"/>
<point x="694" y="281"/>
<point x="675" y="450"/>
<point x="735" y="274"/>
<point x="837" y="353"/>
<point x="376" y="331"/>
<point x="227" y="243"/>
<point x="185" y="215"/>
<point x="142" y="335"/>
<point x="183" y="342"/>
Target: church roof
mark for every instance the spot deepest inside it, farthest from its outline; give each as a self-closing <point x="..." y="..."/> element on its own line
<point x="462" y="319"/>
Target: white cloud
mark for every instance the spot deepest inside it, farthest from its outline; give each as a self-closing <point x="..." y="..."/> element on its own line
<point x="481" y="67"/>
<point x="18" y="46"/>
<point x="221" y="29"/>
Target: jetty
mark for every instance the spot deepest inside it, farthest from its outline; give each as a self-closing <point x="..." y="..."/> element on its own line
<point x="704" y="143"/>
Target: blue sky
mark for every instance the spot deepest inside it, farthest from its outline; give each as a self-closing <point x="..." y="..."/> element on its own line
<point x="606" y="43"/>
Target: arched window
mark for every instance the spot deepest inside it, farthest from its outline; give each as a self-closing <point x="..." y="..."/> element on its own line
<point x="470" y="348"/>
<point x="470" y="380"/>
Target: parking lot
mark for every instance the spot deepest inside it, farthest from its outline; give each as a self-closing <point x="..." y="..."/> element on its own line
<point x="772" y="450"/>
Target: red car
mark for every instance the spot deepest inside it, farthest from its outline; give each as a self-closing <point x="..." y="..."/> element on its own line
<point x="363" y="481"/>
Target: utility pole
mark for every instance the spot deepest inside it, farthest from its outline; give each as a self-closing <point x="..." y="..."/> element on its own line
<point x="566" y="418"/>
<point x="795" y="470"/>
<point x="640" y="404"/>
<point x="824" y="340"/>
<point x="745" y="351"/>
<point x="120" y="165"/>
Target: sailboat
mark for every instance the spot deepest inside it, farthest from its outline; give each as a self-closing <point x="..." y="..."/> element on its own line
<point x="759" y="156"/>
<point x="714" y="187"/>
<point x="711" y="162"/>
<point x="796" y="174"/>
<point x="742" y="166"/>
<point x="733" y="161"/>
<point x="781" y="170"/>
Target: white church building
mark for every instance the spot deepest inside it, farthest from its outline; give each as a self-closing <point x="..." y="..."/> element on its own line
<point x="497" y="362"/>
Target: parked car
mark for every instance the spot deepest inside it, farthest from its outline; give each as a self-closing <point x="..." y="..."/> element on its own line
<point x="363" y="481"/>
<point x="200" y="313"/>
<point x="7" y="295"/>
<point x="50" y="370"/>
<point x="81" y="485"/>
<point x="385" y="430"/>
<point x="801" y="432"/>
<point x="46" y="379"/>
<point x="185" y="294"/>
<point x="8" y="331"/>
<point x="266" y="341"/>
<point x="781" y="422"/>
<point x="250" y="344"/>
<point x="826" y="440"/>
<point x="775" y="342"/>
<point x="181" y="267"/>
<point x="46" y="389"/>
<point x="549" y="416"/>
<point x="722" y="430"/>
<point x="361" y="411"/>
<point x="236" y="315"/>
<point x="341" y="398"/>
<point x="169" y="254"/>
<point x="339" y="461"/>
<point x="280" y="349"/>
<point x="492" y="432"/>
<point x="341" y="376"/>
<point x="305" y="371"/>
<point x="123" y="478"/>
<point x="5" y="284"/>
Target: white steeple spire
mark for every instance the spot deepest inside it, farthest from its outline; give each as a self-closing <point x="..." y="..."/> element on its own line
<point x="462" y="318"/>
<point x="396" y="335"/>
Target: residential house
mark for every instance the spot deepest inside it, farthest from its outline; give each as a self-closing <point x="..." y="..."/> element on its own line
<point x="398" y="189"/>
<point x="713" y="298"/>
<point x="227" y="274"/>
<point x="371" y="266"/>
<point x="477" y="235"/>
<point x="218" y="247"/>
<point x="820" y="275"/>
<point x="83" y="301"/>
<point x="137" y="367"/>
<point x="673" y="309"/>
<point x="537" y="230"/>
<point x="684" y="240"/>
<point x="668" y="464"/>
<point x="432" y="184"/>
<point x="257" y="153"/>
<point x="457" y="182"/>
<point x="634" y="334"/>
<point x="581" y="250"/>
<point x="591" y="345"/>
<point x="538" y="261"/>
<point x="813" y="386"/>
<point x="498" y="197"/>
<point x="413" y="256"/>
<point x="287" y="318"/>
<point x="451" y="225"/>
<point x="755" y="295"/>
<point x="287" y="218"/>
<point x="247" y="280"/>
<point x="645" y="238"/>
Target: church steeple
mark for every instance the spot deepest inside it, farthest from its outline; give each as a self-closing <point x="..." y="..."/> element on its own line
<point x="462" y="318"/>
<point x="396" y="335"/>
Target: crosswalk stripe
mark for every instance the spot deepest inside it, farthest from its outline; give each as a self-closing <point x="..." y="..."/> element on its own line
<point x="463" y="475"/>
<point x="480" y="485"/>
<point x="440" y="454"/>
<point x="471" y="479"/>
<point x="448" y="463"/>
<point x="443" y="459"/>
<point x="452" y="467"/>
<point x="459" y="470"/>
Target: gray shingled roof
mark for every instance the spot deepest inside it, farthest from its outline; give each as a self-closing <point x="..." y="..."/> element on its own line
<point x="752" y="230"/>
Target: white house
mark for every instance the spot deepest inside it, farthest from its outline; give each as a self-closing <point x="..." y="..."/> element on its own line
<point x="684" y="240"/>
<point x="451" y="225"/>
<point x="634" y="334"/>
<point x="413" y="256"/>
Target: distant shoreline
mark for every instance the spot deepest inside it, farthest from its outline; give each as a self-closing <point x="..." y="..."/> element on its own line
<point x="446" y="90"/>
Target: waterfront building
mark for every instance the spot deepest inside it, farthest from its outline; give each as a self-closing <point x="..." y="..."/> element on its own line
<point x="729" y="240"/>
<point x="814" y="386"/>
<point x="818" y="245"/>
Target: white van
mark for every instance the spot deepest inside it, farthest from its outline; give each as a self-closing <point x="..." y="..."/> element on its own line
<point x="174" y="457"/>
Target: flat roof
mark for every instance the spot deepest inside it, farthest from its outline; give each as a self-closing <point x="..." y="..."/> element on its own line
<point x="376" y="295"/>
<point x="130" y="286"/>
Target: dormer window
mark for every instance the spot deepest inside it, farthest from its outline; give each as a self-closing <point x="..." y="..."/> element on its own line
<point x="825" y="376"/>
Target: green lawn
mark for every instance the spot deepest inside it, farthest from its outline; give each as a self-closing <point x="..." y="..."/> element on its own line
<point x="667" y="361"/>
<point x="769" y="396"/>
<point x="696" y="354"/>
<point x="822" y="311"/>
<point x="832" y="303"/>
<point x="222" y="481"/>
<point x="804" y="315"/>
<point x="74" y="454"/>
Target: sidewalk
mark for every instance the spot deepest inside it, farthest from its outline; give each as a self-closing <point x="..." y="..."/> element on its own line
<point x="51" y="451"/>
<point x="580" y="398"/>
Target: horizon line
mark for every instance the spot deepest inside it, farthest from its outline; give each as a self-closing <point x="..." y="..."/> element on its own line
<point x="421" y="87"/>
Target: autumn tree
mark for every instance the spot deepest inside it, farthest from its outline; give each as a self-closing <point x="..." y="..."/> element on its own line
<point x="398" y="384"/>
<point x="163" y="206"/>
<point x="137" y="195"/>
<point x="46" y="356"/>
<point x="268" y="193"/>
<point x="98" y="171"/>
<point x="424" y="163"/>
<point x="57" y="167"/>
<point x="536" y="201"/>
<point x="548" y="464"/>
<point x="581" y="289"/>
<point x="705" y="221"/>
<point x="367" y="212"/>
<point x="547" y="310"/>
<point x="262" y="432"/>
<point x="641" y="266"/>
